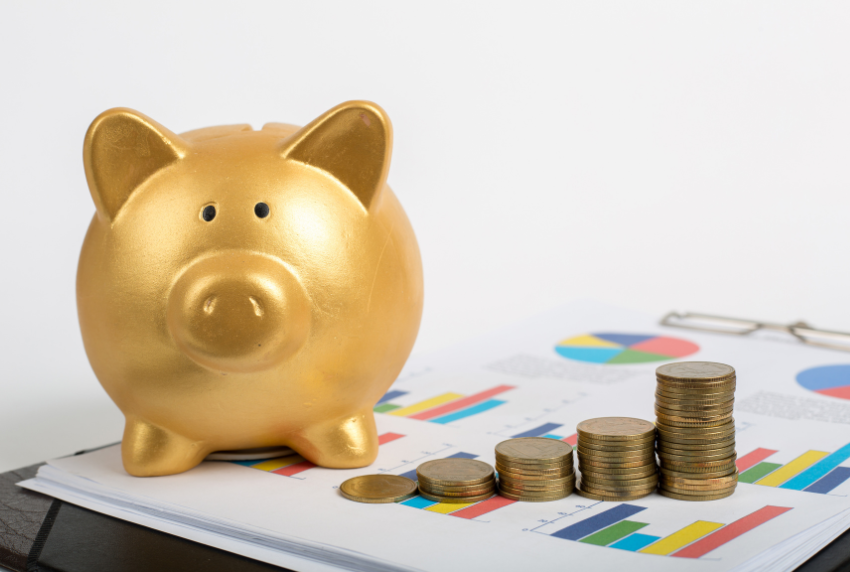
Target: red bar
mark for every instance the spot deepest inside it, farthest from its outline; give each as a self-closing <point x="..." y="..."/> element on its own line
<point x="572" y="439"/>
<point x="388" y="438"/>
<point x="754" y="458"/>
<point x="483" y="507"/>
<point x="460" y="403"/>
<point x="730" y="532"/>
<point x="294" y="469"/>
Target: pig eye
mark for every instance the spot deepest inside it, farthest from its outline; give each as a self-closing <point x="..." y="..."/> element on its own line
<point x="261" y="210"/>
<point x="208" y="213"/>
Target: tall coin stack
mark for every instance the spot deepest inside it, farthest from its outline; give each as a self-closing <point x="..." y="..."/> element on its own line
<point x="696" y="430"/>
<point x="535" y="469"/>
<point x="456" y="480"/>
<point x="616" y="457"/>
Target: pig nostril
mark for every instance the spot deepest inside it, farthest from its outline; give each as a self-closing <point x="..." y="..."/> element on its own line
<point x="258" y="309"/>
<point x="209" y="305"/>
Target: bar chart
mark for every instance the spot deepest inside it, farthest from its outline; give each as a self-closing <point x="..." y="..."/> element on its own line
<point x="443" y="408"/>
<point x="811" y="471"/>
<point x="296" y="464"/>
<point x="616" y="528"/>
<point x="545" y="430"/>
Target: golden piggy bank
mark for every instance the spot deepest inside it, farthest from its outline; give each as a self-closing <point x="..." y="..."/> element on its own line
<point x="241" y="288"/>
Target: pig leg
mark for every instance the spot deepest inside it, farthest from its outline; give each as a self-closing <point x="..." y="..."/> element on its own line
<point x="346" y="443"/>
<point x="151" y="451"/>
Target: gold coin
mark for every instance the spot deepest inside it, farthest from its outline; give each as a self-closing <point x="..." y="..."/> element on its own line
<point x="529" y="498"/>
<point x="566" y="462"/>
<point x="532" y="450"/>
<point x="669" y="422"/>
<point x="454" y="472"/>
<point x="450" y="490"/>
<point x="378" y="488"/>
<point x="700" y="414"/>
<point x="695" y="409"/>
<point x="685" y="474"/>
<point x="625" y="473"/>
<point x="603" y="483"/>
<point x="604" y="497"/>
<point x="615" y="429"/>
<point x="678" y="403"/>
<point x="488" y="491"/>
<point x="685" y="443"/>
<point x="684" y="483"/>
<point x="695" y="371"/>
<point x="587" y="487"/>
<point x="630" y="465"/>
<point x="685" y="391"/>
<point x="524" y="470"/>
<point x="689" y="446"/>
<point x="456" y="500"/>
<point x="691" y="417"/>
<point x="650" y="470"/>
<point x="533" y="478"/>
<point x="717" y="464"/>
<point x="646" y="453"/>
<point x="588" y="442"/>
<point x="666" y="458"/>
<point x="516" y="489"/>
<point x="687" y="497"/>
<point x="614" y="447"/>
<point x="716" y="432"/>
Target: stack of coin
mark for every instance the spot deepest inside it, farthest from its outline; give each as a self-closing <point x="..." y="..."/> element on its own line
<point x="616" y="457"/>
<point x="535" y="469"/>
<point x="456" y="480"/>
<point x="696" y="430"/>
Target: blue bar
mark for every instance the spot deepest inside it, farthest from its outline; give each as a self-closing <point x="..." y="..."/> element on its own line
<point x="596" y="523"/>
<point x="468" y="412"/>
<point x="555" y="437"/>
<point x="542" y="430"/>
<point x="635" y="542"/>
<point x="418" y="502"/>
<point x="830" y="481"/>
<point x="412" y="474"/>
<point x="818" y="470"/>
<point x="391" y="395"/>
<point x="249" y="463"/>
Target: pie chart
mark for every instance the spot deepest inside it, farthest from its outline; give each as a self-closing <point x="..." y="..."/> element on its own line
<point x="831" y="380"/>
<point x="618" y="348"/>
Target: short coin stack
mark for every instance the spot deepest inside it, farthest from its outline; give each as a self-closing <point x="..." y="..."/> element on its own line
<point x="456" y="480"/>
<point x="696" y="430"/>
<point x="616" y="457"/>
<point x="535" y="469"/>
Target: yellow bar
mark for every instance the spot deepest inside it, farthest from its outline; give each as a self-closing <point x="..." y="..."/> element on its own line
<point x="796" y="466"/>
<point x="427" y="404"/>
<point x="681" y="538"/>
<point x="279" y="463"/>
<point x="447" y="507"/>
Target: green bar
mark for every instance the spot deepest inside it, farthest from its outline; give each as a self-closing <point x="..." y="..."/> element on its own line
<point x="613" y="533"/>
<point x="757" y="472"/>
<point x="384" y="407"/>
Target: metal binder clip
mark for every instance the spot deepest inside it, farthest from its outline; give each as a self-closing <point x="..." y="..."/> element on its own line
<point x="736" y="326"/>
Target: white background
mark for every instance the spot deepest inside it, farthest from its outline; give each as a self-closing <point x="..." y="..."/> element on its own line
<point x="688" y="155"/>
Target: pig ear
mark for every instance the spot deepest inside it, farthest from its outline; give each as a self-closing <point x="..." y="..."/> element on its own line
<point x="124" y="148"/>
<point x="352" y="142"/>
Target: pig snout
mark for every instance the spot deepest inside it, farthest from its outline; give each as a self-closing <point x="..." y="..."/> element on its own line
<point x="238" y="312"/>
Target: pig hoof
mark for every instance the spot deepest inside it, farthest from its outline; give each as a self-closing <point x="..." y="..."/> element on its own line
<point x="346" y="443"/>
<point x="151" y="451"/>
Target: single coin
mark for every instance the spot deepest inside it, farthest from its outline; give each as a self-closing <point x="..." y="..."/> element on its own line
<point x="685" y="474"/>
<point x="651" y="470"/>
<point x="698" y="462"/>
<point x="517" y="489"/>
<point x="454" y="472"/>
<point x="679" y="440"/>
<point x="696" y="492"/>
<point x="651" y="480"/>
<point x="378" y="488"/>
<point x="697" y="432"/>
<point x="565" y="462"/>
<point x="696" y="371"/>
<point x="615" y="429"/>
<point x="528" y="498"/>
<point x="533" y="450"/>
<point x="670" y="422"/>
<point x="624" y="492"/>
<point x="451" y="491"/>
<point x="683" y="483"/>
<point x="461" y="495"/>
<point x="671" y="405"/>
<point x="630" y="473"/>
<point x="604" y="497"/>
<point x="456" y="500"/>
<point x="560" y="471"/>
<point x="695" y="447"/>
<point x="634" y="465"/>
<point x="505" y="478"/>
<point x="676" y="402"/>
<point x="522" y="477"/>
<point x="614" y="447"/>
<point x="686" y="391"/>
<point x="646" y="453"/>
<point x="588" y="442"/>
<point x="693" y="414"/>
<point x="687" y="497"/>
<point x="664" y="457"/>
